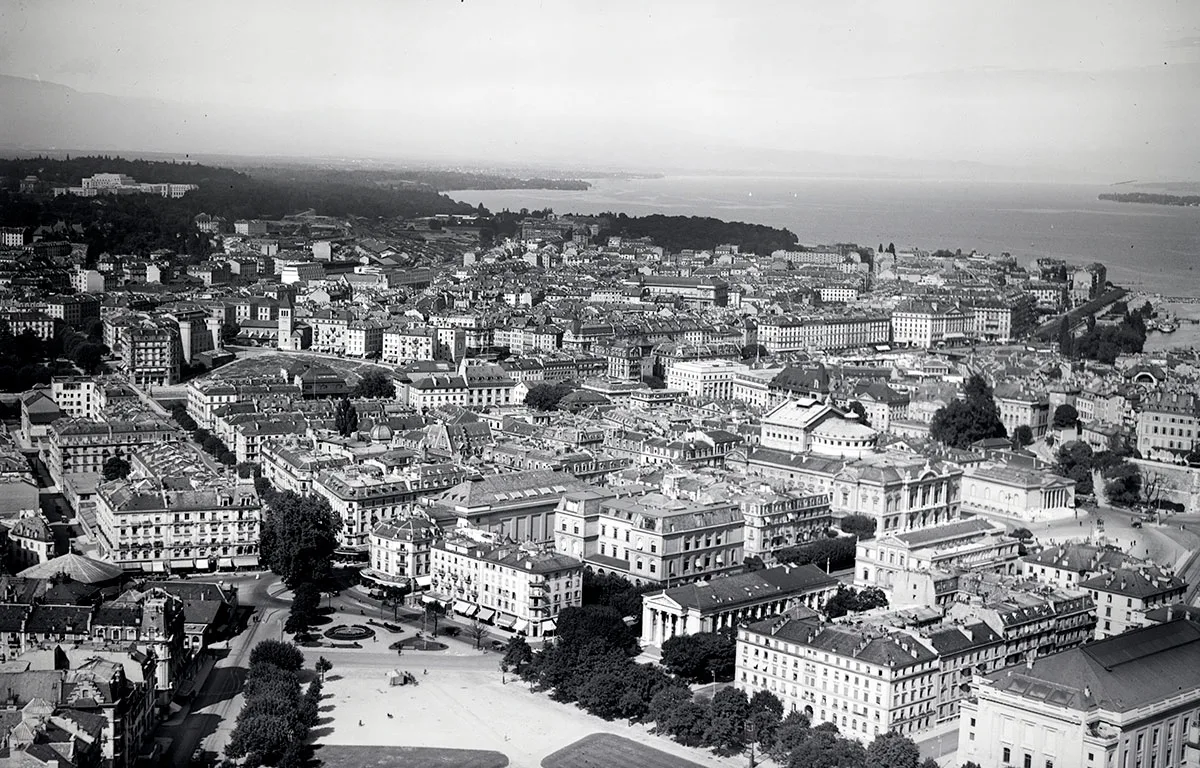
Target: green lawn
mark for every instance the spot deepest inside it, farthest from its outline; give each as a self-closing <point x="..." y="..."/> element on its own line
<point x="340" y="756"/>
<point x="606" y="750"/>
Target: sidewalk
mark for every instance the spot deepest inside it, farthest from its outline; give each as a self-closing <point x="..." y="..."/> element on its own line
<point x="197" y="682"/>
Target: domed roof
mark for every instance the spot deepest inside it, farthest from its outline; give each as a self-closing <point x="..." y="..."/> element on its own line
<point x="381" y="432"/>
<point x="842" y="429"/>
<point x="78" y="567"/>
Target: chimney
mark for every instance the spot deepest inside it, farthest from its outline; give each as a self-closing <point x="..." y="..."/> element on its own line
<point x="1087" y="691"/>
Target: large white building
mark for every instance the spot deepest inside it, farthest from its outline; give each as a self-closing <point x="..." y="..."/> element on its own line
<point x="1124" y="702"/>
<point x="864" y="680"/>
<point x="808" y="424"/>
<point x="705" y="379"/>
<point x="1022" y="494"/>
<point x="929" y="323"/>
<point x="517" y="588"/>
<point x="971" y="544"/>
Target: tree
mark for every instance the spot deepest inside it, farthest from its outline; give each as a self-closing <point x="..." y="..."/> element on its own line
<point x="298" y="537"/>
<point x="860" y="410"/>
<point x="687" y="723"/>
<point x="971" y="764"/>
<point x="793" y="731"/>
<point x="826" y="749"/>
<point x="832" y="553"/>
<point x="849" y="600"/>
<point x="345" y="418"/>
<point x="277" y="653"/>
<point x="961" y="423"/>
<point x="1123" y="484"/>
<point x="375" y="384"/>
<point x="477" y="630"/>
<point x="1022" y="436"/>
<point x="726" y="731"/>
<point x="697" y="657"/>
<point x="892" y="750"/>
<point x="517" y="654"/>
<point x="577" y="625"/>
<point x="929" y="762"/>
<point x="862" y="526"/>
<point x="1064" y="336"/>
<point x="654" y="382"/>
<point x="434" y="611"/>
<point x="545" y="397"/>
<point x="116" y="468"/>
<point x="323" y="666"/>
<point x="1076" y="461"/>
<point x="665" y="700"/>
<point x="306" y="602"/>
<point x="754" y="352"/>
<point x="1065" y="416"/>
<point x="245" y="470"/>
<point x="766" y="714"/>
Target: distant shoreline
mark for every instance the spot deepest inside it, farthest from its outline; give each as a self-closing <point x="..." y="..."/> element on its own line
<point x="1152" y="198"/>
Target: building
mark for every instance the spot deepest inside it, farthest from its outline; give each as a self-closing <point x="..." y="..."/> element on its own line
<point x="1131" y="700"/>
<point x="1021" y="406"/>
<point x="652" y="538"/>
<point x="1168" y="425"/>
<point x="1124" y="595"/>
<point x="882" y="404"/>
<point x="725" y="602"/>
<point x="76" y="446"/>
<point x="521" y="589"/>
<point x="808" y="424"/>
<point x="1088" y="282"/>
<point x="144" y="525"/>
<point x="973" y="544"/>
<point x="865" y="680"/>
<point x="402" y="345"/>
<point x="704" y="379"/>
<point x="786" y="333"/>
<point x="926" y="324"/>
<point x="1067" y="565"/>
<point x="400" y="553"/>
<point x="1029" y="495"/>
<point x="149" y="348"/>
<point x="694" y="291"/>
<point x="518" y="505"/>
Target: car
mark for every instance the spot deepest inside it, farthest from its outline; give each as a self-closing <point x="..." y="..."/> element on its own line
<point x="1135" y="523"/>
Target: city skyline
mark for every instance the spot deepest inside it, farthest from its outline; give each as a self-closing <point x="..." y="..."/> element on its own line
<point x="1089" y="91"/>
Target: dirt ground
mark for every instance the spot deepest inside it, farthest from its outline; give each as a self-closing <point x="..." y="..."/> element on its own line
<point x="461" y="700"/>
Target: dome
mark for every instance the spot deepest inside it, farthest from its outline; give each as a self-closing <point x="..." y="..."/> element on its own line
<point x="381" y="433"/>
<point x="842" y="438"/>
<point x="78" y="567"/>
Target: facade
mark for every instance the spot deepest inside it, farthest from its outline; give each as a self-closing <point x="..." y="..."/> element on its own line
<point x="1019" y="406"/>
<point x="1023" y="494"/>
<point x="144" y="526"/>
<point x="972" y="544"/>
<point x="785" y="333"/>
<point x="400" y="552"/>
<point x="807" y="424"/>
<point x="928" y="324"/>
<point x="704" y="379"/>
<point x="409" y="344"/>
<point x="864" y="680"/>
<point x="81" y="445"/>
<point x="1168" y="425"/>
<point x="1132" y="700"/>
<point x="1124" y="595"/>
<point x="521" y="589"/>
<point x="725" y="602"/>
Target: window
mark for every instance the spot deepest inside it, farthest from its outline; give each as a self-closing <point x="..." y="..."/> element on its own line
<point x="1028" y="763"/>
<point x="1006" y="755"/>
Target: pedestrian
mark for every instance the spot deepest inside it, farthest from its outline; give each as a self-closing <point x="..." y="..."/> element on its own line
<point x="360" y="723"/>
<point x="425" y="672"/>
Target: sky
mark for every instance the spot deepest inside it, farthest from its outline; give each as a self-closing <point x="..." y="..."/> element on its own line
<point x="1083" y="86"/>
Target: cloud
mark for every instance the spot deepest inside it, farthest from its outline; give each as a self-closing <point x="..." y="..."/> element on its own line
<point x="1192" y="41"/>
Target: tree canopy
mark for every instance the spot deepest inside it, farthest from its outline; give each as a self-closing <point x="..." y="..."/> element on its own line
<point x="545" y="397"/>
<point x="375" y="384"/>
<point x="345" y="418"/>
<point x="964" y="422"/>
<point x="116" y="468"/>
<point x="1065" y="416"/>
<point x="298" y="537"/>
<point x="701" y="656"/>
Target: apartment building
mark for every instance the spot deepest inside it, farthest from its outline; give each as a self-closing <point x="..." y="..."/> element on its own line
<point x="1124" y="595"/>
<point x="926" y="324"/>
<point x="143" y="525"/>
<point x="148" y="348"/>
<point x="400" y="345"/>
<point x="1019" y="405"/>
<point x="364" y="338"/>
<point x="1168" y="425"/>
<point x="785" y="333"/>
<point x="865" y="680"/>
<point x="81" y="445"/>
<point x="521" y="589"/>
<point x="400" y="553"/>
<point x="290" y="464"/>
<point x="705" y="379"/>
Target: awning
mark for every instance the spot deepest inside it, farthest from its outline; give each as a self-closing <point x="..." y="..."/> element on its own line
<point x="202" y="563"/>
<point x="520" y="626"/>
<point x="189" y="563"/>
<point x="506" y="620"/>
<point x="424" y="581"/>
<point x="486" y="614"/>
<point x="549" y="625"/>
<point x="245" y="562"/>
<point x="225" y="562"/>
<point x="463" y="607"/>
<point x="158" y="566"/>
<point x="427" y="599"/>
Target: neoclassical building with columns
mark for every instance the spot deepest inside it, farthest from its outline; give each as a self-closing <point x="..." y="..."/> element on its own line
<point x="724" y="602"/>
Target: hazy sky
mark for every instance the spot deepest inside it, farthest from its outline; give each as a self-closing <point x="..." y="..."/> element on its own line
<point x="1109" y="87"/>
